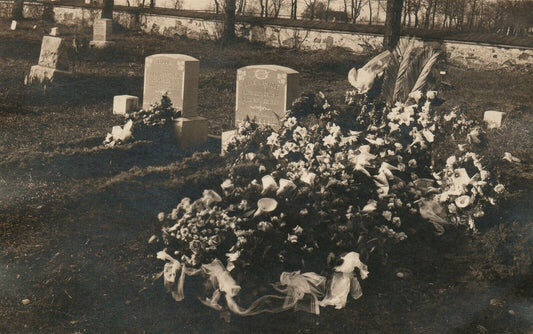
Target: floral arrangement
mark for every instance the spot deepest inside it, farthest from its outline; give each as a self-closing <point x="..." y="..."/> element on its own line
<point x="142" y="122"/>
<point x="328" y="189"/>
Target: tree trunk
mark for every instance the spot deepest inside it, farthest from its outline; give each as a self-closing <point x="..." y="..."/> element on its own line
<point x="393" y="24"/>
<point x="17" y="11"/>
<point x="228" y="35"/>
<point x="107" y="11"/>
<point x="370" y="12"/>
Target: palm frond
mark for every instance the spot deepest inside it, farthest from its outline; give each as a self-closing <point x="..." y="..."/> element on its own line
<point x="404" y="51"/>
<point x="429" y="59"/>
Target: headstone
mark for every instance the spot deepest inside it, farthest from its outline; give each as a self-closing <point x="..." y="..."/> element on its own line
<point x="54" y="32"/>
<point x="265" y="92"/>
<point x="102" y="29"/>
<point x="53" y="62"/>
<point x="123" y="104"/>
<point x="177" y="76"/>
<point x="493" y="119"/>
<point x="225" y="139"/>
<point x="190" y="132"/>
<point x="13" y="25"/>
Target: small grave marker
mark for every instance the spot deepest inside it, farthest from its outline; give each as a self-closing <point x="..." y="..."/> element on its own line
<point x="225" y="139"/>
<point x="13" y="25"/>
<point x="54" y="32"/>
<point x="493" y="119"/>
<point x="102" y="30"/>
<point x="264" y="93"/>
<point x="123" y="104"/>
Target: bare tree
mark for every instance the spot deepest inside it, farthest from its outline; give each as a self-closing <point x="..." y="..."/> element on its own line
<point x="393" y="24"/>
<point x="107" y="11"/>
<point x="277" y="5"/>
<point x="228" y="34"/>
<point x="311" y="8"/>
<point x="17" y="10"/>
<point x="294" y="9"/>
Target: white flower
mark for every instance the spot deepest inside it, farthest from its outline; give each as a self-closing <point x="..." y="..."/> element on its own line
<point x="263" y="226"/>
<point x="431" y="95"/>
<point x="371" y="206"/>
<point x="308" y="178"/>
<point x="161" y="216"/>
<point x="226" y="185"/>
<point x="297" y="230"/>
<point x="499" y="188"/>
<point x="334" y="129"/>
<point x="428" y="135"/>
<point x="387" y="215"/>
<point x="462" y="201"/>
<point x="273" y="139"/>
<point x="292" y="238"/>
<point x="329" y="140"/>
<point x="290" y="122"/>
<point x="416" y="95"/>
<point x="300" y="133"/>
<point x="509" y="157"/>
<point x="280" y="153"/>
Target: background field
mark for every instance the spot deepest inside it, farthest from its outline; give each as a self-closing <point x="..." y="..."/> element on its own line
<point x="75" y="217"/>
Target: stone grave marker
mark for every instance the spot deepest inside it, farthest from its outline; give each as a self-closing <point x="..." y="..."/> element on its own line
<point x="177" y="76"/>
<point x="53" y="62"/>
<point x="13" y="25"/>
<point x="264" y="93"/>
<point x="225" y="139"/>
<point x="102" y="30"/>
<point x="54" y="32"/>
<point x="123" y="104"/>
<point x="493" y="119"/>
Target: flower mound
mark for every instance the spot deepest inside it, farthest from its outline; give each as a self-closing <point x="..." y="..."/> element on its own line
<point x="332" y="187"/>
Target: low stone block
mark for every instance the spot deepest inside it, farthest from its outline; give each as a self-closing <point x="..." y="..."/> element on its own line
<point x="225" y="139"/>
<point x="43" y="75"/>
<point x="190" y="132"/>
<point x="493" y="119"/>
<point x="54" y="32"/>
<point x="13" y="25"/>
<point x="100" y="44"/>
<point x="123" y="104"/>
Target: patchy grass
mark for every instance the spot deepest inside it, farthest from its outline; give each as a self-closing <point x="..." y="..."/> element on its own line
<point x="75" y="217"/>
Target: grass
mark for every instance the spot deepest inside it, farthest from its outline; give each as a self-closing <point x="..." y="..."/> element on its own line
<point x="75" y="217"/>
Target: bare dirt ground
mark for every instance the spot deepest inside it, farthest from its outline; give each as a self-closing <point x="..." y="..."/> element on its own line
<point x="75" y="217"/>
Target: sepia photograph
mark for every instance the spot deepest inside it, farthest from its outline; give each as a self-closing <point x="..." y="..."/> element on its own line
<point x="266" y="166"/>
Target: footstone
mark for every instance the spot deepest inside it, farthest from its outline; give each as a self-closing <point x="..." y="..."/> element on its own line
<point x="264" y="93"/>
<point x="493" y="119"/>
<point x="102" y="30"/>
<point x="13" y="25"/>
<point x="225" y="139"/>
<point x="177" y="76"/>
<point x="123" y="104"/>
<point x="190" y="131"/>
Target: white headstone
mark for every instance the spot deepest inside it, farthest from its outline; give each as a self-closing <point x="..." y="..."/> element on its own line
<point x="123" y="104"/>
<point x="102" y="29"/>
<point x="265" y="92"/>
<point x="493" y="119"/>
<point x="177" y="76"/>
<point x="54" y="32"/>
<point x="13" y="25"/>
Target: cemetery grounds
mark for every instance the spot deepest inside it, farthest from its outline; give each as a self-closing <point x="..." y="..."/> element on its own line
<point x="76" y="217"/>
